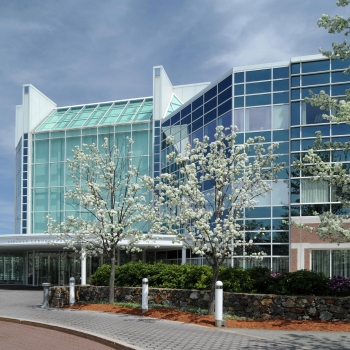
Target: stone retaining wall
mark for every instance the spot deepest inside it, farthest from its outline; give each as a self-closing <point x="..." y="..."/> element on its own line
<point x="263" y="306"/>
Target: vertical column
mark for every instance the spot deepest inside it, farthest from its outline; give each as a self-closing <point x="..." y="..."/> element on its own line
<point x="144" y="256"/>
<point x="83" y="267"/>
<point x="183" y="257"/>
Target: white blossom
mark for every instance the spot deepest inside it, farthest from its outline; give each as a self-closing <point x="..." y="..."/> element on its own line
<point x="109" y="204"/>
<point x="209" y="221"/>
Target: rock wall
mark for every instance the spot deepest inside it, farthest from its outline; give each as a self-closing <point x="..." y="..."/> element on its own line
<point x="261" y="306"/>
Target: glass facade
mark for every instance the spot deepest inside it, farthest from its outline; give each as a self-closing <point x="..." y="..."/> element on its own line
<point x="269" y="102"/>
<point x="50" y="172"/>
<point x="266" y="102"/>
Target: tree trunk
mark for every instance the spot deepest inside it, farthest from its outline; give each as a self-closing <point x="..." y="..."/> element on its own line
<point x="112" y="277"/>
<point x="212" y="291"/>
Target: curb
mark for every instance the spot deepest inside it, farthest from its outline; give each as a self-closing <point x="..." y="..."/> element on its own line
<point x="114" y="344"/>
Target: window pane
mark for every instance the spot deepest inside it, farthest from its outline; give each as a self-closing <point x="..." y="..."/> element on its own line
<point x="308" y="67"/>
<point x="226" y="106"/>
<point x="296" y="68"/>
<point x="41" y="197"/>
<point x="341" y="263"/>
<point x="139" y="146"/>
<point x="197" y="103"/>
<point x="57" y="153"/>
<point x="282" y="72"/>
<point x="239" y="119"/>
<point x="258" y="100"/>
<point x="56" y="199"/>
<point x="315" y="90"/>
<point x="258" y="119"/>
<point x="239" y="77"/>
<point x="256" y="88"/>
<point x="314" y="191"/>
<point x="239" y="89"/>
<point x="340" y="64"/>
<point x="280" y="193"/>
<point x="239" y="102"/>
<point x="264" y="74"/>
<point x="282" y="97"/>
<point x="210" y="105"/>
<point x="225" y="83"/>
<point x="339" y="77"/>
<point x="41" y="176"/>
<point x="281" y="85"/>
<point x="71" y="143"/>
<point x="338" y="90"/>
<point x="57" y="174"/>
<point x="210" y="94"/>
<point x="296" y="94"/>
<point x="312" y="114"/>
<point x="39" y="223"/>
<point x="315" y="79"/>
<point x="281" y="117"/>
<point x="225" y="95"/>
<point x="41" y="151"/>
<point x="295" y="81"/>
<point x="280" y="249"/>
<point x="320" y="261"/>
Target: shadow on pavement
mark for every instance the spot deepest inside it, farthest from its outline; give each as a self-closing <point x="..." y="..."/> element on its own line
<point x="309" y="341"/>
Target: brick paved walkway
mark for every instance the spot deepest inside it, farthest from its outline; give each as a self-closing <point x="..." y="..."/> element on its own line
<point x="15" y="336"/>
<point x="148" y="333"/>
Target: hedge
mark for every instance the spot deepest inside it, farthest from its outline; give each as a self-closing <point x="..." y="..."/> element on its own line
<point x="254" y="280"/>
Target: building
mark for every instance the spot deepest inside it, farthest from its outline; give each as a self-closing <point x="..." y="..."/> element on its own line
<point x="264" y="100"/>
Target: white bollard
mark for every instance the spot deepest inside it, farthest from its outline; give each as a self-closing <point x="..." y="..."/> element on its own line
<point x="71" y="291"/>
<point x="46" y="295"/>
<point x="144" y="295"/>
<point x="218" y="304"/>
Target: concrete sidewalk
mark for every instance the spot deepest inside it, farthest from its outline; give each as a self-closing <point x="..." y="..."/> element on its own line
<point x="146" y="333"/>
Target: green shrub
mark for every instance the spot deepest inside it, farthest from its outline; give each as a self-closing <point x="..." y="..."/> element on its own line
<point x="305" y="282"/>
<point x="261" y="279"/>
<point x="101" y="276"/>
<point x="196" y="277"/>
<point x="255" y="280"/>
<point x="235" y="280"/>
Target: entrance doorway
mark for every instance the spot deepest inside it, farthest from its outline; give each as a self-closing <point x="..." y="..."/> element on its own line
<point x="54" y="267"/>
<point x="11" y="268"/>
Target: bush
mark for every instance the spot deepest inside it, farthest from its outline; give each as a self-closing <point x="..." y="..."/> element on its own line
<point x="305" y="282"/>
<point x="101" y="276"/>
<point x="236" y="280"/>
<point x="255" y="280"/>
<point x="339" y="286"/>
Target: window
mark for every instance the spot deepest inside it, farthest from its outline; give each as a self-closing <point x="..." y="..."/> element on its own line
<point x="308" y="67"/>
<point x="314" y="191"/>
<point x="257" y="75"/>
<point x="258" y="119"/>
<point x="281" y="117"/>
<point x="331" y="262"/>
<point x="312" y="114"/>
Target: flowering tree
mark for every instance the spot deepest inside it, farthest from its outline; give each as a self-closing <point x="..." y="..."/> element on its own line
<point x="203" y="206"/>
<point x="109" y="201"/>
<point x="333" y="224"/>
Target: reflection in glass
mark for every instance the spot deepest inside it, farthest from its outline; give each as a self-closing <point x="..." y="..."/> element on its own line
<point x="258" y="119"/>
<point x="281" y="117"/>
<point x="312" y="114"/>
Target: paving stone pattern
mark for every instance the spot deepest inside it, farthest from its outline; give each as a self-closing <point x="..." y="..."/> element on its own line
<point x="148" y="333"/>
<point x="14" y="336"/>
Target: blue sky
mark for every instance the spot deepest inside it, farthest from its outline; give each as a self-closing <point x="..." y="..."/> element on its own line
<point x="85" y="51"/>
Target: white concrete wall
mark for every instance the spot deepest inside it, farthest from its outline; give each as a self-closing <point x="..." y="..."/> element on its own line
<point x="162" y="91"/>
<point x="186" y="92"/>
<point x="35" y="107"/>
